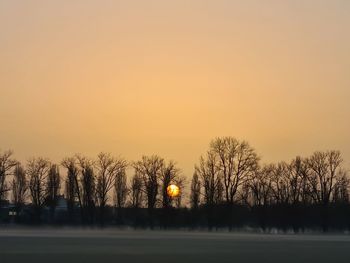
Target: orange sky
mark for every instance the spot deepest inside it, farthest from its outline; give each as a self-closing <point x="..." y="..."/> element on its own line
<point x="165" y="77"/>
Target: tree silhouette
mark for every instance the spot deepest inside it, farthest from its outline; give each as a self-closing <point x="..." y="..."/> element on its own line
<point x="108" y="170"/>
<point x="86" y="188"/>
<point x="71" y="184"/>
<point x="259" y="187"/>
<point x="150" y="170"/>
<point x="236" y="161"/>
<point x="229" y="188"/>
<point x="170" y="174"/>
<point x="340" y="191"/>
<point x="37" y="170"/>
<point x="53" y="186"/>
<point x="325" y="168"/>
<point x="210" y="177"/>
<point x="19" y="187"/>
<point x="136" y="190"/>
<point x="6" y="168"/>
<point x="121" y="192"/>
<point x="195" y="191"/>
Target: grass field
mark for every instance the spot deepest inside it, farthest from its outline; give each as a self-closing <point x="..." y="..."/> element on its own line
<point x="86" y="246"/>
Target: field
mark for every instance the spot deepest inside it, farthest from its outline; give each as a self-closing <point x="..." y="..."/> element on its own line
<point x="62" y="245"/>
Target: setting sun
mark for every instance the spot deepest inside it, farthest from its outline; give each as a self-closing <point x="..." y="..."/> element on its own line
<point x="173" y="190"/>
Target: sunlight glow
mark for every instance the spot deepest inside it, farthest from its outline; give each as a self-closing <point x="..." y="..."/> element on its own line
<point x="173" y="190"/>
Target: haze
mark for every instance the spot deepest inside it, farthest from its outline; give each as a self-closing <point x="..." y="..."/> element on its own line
<point x="165" y="77"/>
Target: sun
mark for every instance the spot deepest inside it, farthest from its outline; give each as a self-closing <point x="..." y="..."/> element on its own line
<point x="173" y="190"/>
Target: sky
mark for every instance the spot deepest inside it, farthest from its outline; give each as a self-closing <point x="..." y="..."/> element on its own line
<point x="165" y="77"/>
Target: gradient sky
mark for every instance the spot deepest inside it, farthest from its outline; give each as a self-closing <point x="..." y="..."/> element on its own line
<point x="165" y="77"/>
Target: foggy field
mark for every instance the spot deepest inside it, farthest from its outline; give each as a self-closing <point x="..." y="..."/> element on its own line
<point x="155" y="246"/>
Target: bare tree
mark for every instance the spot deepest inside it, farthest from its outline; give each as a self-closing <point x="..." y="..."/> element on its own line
<point x="280" y="183"/>
<point x="121" y="189"/>
<point x="136" y="191"/>
<point x="86" y="188"/>
<point x="219" y="193"/>
<point x="121" y="193"/>
<point x="6" y="168"/>
<point x="210" y="177"/>
<point x="298" y="173"/>
<point x="181" y="182"/>
<point x="260" y="185"/>
<point x="71" y="184"/>
<point x="289" y="183"/>
<point x="150" y="169"/>
<point x="236" y="160"/>
<point x="195" y="191"/>
<point x="37" y="170"/>
<point x="246" y="196"/>
<point x="170" y="175"/>
<point x="108" y="169"/>
<point x="19" y="187"/>
<point x="341" y="189"/>
<point x="300" y="187"/>
<point x="325" y="168"/>
<point x="53" y="186"/>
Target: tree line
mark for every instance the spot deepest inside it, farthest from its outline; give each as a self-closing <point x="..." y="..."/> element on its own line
<point x="89" y="185"/>
<point x="230" y="182"/>
<point x="230" y="173"/>
<point x="230" y="188"/>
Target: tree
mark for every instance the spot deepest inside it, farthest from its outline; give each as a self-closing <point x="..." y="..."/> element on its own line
<point x="341" y="189"/>
<point x="136" y="191"/>
<point x="71" y="183"/>
<point x="170" y="175"/>
<point x="209" y="174"/>
<point x="289" y="182"/>
<point x="37" y="170"/>
<point x="325" y="168"/>
<point x="297" y="174"/>
<point x="181" y="182"/>
<point x="86" y="188"/>
<point x="52" y="189"/>
<point x="195" y="191"/>
<point x="108" y="170"/>
<point x="19" y="187"/>
<point x="236" y="161"/>
<point x="81" y="186"/>
<point x="280" y="183"/>
<point x="121" y="189"/>
<point x="300" y="185"/>
<point x="121" y="192"/>
<point x="6" y="168"/>
<point x="219" y="193"/>
<point x="260" y="185"/>
<point x="150" y="169"/>
<point x="210" y="177"/>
